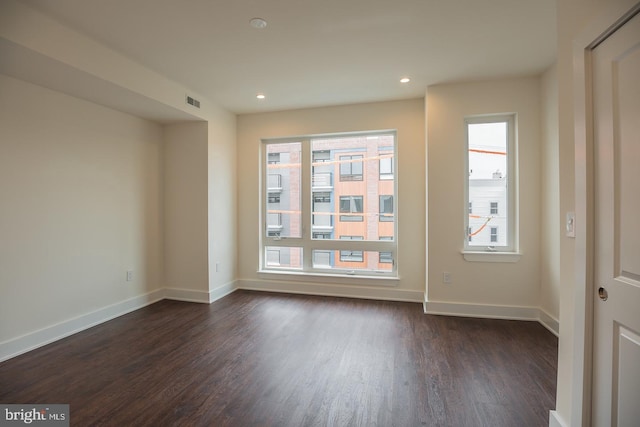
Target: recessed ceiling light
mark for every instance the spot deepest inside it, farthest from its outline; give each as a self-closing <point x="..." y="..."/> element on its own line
<point x="405" y="80"/>
<point x="260" y="96"/>
<point x="258" y="23"/>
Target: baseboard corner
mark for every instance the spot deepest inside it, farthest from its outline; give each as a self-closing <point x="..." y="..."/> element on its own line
<point x="555" y="420"/>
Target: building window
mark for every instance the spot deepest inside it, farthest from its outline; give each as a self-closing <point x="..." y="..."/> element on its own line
<point x="273" y="257"/>
<point x="274" y="181"/>
<point x="351" y="256"/>
<point x="494" y="208"/>
<point x="274" y="158"/>
<point x="274" y="198"/>
<point x="274" y="220"/>
<point x="322" y="259"/>
<point x="322" y="156"/>
<point x="325" y="225"/>
<point x="494" y="234"/>
<point x="350" y="205"/>
<point x="351" y="168"/>
<point x="386" y="208"/>
<point x="490" y="183"/>
<point x="386" y="166"/>
<point x="322" y="197"/>
<point x="385" y="257"/>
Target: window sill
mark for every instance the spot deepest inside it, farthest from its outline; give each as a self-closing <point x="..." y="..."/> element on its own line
<point x="351" y="279"/>
<point x="483" y="256"/>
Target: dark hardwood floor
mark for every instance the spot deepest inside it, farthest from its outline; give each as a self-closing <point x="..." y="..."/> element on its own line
<point x="261" y="359"/>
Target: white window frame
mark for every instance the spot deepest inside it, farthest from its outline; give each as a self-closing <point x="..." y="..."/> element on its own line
<point x="495" y="253"/>
<point x="306" y="242"/>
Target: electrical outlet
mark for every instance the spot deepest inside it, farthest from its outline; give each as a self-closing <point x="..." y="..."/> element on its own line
<point x="446" y="277"/>
<point x="217" y="267"/>
<point x="129" y="275"/>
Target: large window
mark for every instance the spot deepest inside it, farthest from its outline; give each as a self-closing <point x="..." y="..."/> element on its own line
<point x="314" y="223"/>
<point x="490" y="184"/>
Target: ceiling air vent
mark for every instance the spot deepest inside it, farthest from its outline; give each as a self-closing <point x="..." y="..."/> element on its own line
<point x="193" y="101"/>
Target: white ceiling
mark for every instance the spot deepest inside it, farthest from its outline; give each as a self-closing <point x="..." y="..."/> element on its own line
<point x="317" y="53"/>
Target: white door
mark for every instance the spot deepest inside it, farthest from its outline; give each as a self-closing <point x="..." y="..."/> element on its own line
<point x="616" y="97"/>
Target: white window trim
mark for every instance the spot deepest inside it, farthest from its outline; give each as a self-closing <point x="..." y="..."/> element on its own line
<point x="510" y="252"/>
<point x="475" y="256"/>
<point x="306" y="242"/>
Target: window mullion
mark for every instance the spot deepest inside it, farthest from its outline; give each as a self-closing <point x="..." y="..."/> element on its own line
<point x="306" y="204"/>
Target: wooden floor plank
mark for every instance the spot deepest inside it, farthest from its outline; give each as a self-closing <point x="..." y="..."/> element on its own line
<point x="262" y="359"/>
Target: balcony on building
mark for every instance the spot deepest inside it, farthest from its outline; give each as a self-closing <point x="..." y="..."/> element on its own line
<point x="322" y="181"/>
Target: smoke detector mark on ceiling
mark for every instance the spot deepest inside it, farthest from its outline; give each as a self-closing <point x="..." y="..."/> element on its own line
<point x="258" y="23"/>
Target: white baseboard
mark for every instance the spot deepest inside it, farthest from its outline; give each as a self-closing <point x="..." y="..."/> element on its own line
<point x="222" y="291"/>
<point x="31" y="341"/>
<point x="493" y="312"/>
<point x="363" y="292"/>
<point x="44" y="336"/>
<point x="481" y="310"/>
<point x="187" y="295"/>
<point x="555" y="420"/>
<point x="549" y="322"/>
<point x="204" y="297"/>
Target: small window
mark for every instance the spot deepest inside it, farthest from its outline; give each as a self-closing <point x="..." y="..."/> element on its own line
<point x="321" y="197"/>
<point x="274" y="198"/>
<point x="274" y="220"/>
<point x="321" y="156"/>
<point x="490" y="183"/>
<point x="351" y="256"/>
<point x="273" y="257"/>
<point x="351" y="168"/>
<point x="494" y="234"/>
<point x="386" y="208"/>
<point x="321" y="235"/>
<point x="351" y="205"/>
<point x="385" y="257"/>
<point x="274" y="181"/>
<point x="274" y="158"/>
<point x="321" y="259"/>
<point x="386" y="166"/>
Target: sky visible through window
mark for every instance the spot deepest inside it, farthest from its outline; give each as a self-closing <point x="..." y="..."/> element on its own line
<point x="487" y="150"/>
<point x="488" y="224"/>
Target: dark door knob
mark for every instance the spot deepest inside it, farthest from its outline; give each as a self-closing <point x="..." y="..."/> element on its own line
<point x="603" y="294"/>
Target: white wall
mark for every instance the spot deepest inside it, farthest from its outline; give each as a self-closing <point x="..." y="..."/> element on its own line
<point x="200" y="163"/>
<point x="573" y="18"/>
<point x="550" y="217"/>
<point x="81" y="196"/>
<point x="405" y="116"/>
<point x="481" y="283"/>
<point x="185" y="206"/>
<point x="222" y="201"/>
